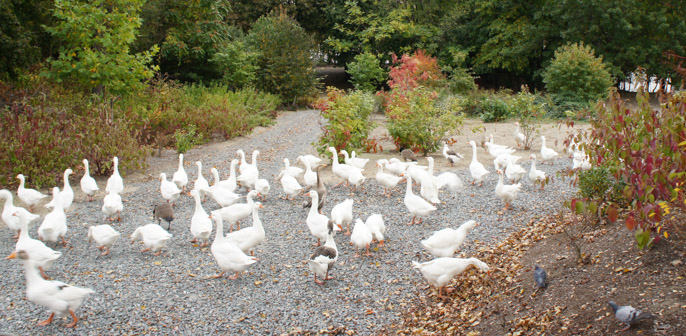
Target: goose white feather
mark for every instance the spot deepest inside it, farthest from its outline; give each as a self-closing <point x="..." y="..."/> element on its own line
<point x="180" y="178"/>
<point x="111" y="205"/>
<point x="388" y="181"/>
<point x="476" y="169"/>
<point x="66" y="194"/>
<point x="104" y="236"/>
<point x="535" y="175"/>
<point x="513" y="171"/>
<point x="342" y="214"/>
<point x="519" y="137"/>
<point x="201" y="185"/>
<point x="9" y="210"/>
<point x="234" y="213"/>
<point x="39" y="253"/>
<point x="361" y="237"/>
<point x="228" y="255"/>
<point x="154" y="237"/>
<point x="440" y="271"/>
<point x="54" y="224"/>
<point x="324" y="257"/>
<point x="445" y="242"/>
<point x="377" y="226"/>
<point x="506" y="193"/>
<point x="61" y="299"/>
<point x="248" y="238"/>
<point x="316" y="222"/>
<point x="169" y="190"/>
<point x="417" y="206"/>
<point x="290" y="186"/>
<point x="201" y="224"/>
<point x="29" y="196"/>
<point x="546" y="153"/>
<point x="88" y="184"/>
<point x="115" y="183"/>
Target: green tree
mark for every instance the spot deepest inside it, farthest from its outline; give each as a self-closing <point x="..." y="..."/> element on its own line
<point x="577" y="75"/>
<point x="96" y="36"/>
<point x="286" y="67"/>
<point x="365" y="72"/>
<point x="23" y="41"/>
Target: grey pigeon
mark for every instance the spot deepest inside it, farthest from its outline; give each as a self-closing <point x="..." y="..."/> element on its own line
<point x="408" y="155"/>
<point x="628" y="314"/>
<point x="540" y="277"/>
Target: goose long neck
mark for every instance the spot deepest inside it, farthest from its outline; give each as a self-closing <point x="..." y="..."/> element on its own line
<point x="219" y="236"/>
<point x="232" y="173"/>
<point x="66" y="181"/>
<point x="24" y="231"/>
<point x="85" y="163"/>
<point x="31" y="273"/>
<point x="315" y="204"/>
<point x="254" y="158"/>
<point x="408" y="189"/>
<point x="198" y="204"/>
<point x="533" y="164"/>
<point x="21" y="182"/>
<point x="473" y="152"/>
<point x="180" y="161"/>
<point x="500" y="180"/>
<point x="215" y="175"/>
<point x="330" y="242"/>
<point x="334" y="158"/>
<point x="256" y="222"/>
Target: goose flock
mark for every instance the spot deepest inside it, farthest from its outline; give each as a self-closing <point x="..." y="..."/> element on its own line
<point x="236" y="251"/>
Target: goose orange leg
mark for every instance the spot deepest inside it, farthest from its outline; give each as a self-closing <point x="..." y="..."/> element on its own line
<point x="48" y="321"/>
<point x="318" y="282"/>
<point x="73" y="316"/>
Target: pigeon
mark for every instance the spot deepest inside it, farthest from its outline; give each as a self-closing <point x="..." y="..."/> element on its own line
<point x="540" y="277"/>
<point x="628" y="314"/>
<point x="408" y="155"/>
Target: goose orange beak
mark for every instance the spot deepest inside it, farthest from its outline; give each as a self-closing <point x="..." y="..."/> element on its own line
<point x="11" y="256"/>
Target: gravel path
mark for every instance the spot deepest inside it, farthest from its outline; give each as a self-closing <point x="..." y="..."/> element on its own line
<point x="139" y="293"/>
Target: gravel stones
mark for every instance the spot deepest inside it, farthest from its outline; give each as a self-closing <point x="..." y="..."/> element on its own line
<point x="139" y="293"/>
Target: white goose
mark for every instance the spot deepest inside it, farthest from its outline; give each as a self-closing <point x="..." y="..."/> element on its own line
<point x="291" y="187"/>
<point x="324" y="257"/>
<point x="353" y="161"/>
<point x="361" y="237"/>
<point x="228" y="255"/>
<point x="13" y="221"/>
<point x="494" y="152"/>
<point x="342" y="215"/>
<point x="388" y="181"/>
<point x="514" y="171"/>
<point x="30" y="197"/>
<point x="581" y="160"/>
<point x="223" y="196"/>
<point x="262" y="187"/>
<point x="115" y="183"/>
<point x="66" y="194"/>
<point x="201" y="224"/>
<point x="111" y="205"/>
<point x="310" y="177"/>
<point x="201" y="185"/>
<point x="415" y="204"/>
<point x="227" y="184"/>
<point x="291" y="170"/>
<point x="450" y="154"/>
<point x="169" y="190"/>
<point x="249" y="172"/>
<point x="376" y="225"/>
<point x="440" y="271"/>
<point x="154" y="237"/>
<point x="41" y="254"/>
<point x="236" y="212"/>
<point x="248" y="238"/>
<point x="535" y="175"/>
<point x="54" y="224"/>
<point x="343" y="171"/>
<point x="316" y="222"/>
<point x="506" y="193"/>
<point x="88" y="184"/>
<point x="502" y="160"/>
<point x="519" y="137"/>
<point x="546" y="153"/>
<point x="394" y="165"/>
<point x="180" y="178"/>
<point x="58" y="297"/>
<point x="104" y="235"/>
<point x="444" y="243"/>
<point x="311" y="159"/>
<point x="476" y="169"/>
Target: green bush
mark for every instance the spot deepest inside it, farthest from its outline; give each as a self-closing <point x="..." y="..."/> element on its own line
<point x="595" y="183"/>
<point x="236" y="63"/>
<point x="185" y="138"/>
<point x="365" y="72"/>
<point x="528" y="108"/>
<point x="46" y="128"/>
<point x="419" y="121"/>
<point x="286" y="67"/>
<point x="493" y="109"/>
<point x="459" y="78"/>
<point x="576" y="77"/>
<point x="347" y="118"/>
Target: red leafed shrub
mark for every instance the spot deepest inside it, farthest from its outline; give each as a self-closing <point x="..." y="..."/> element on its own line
<point x="644" y="150"/>
<point x="411" y="71"/>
